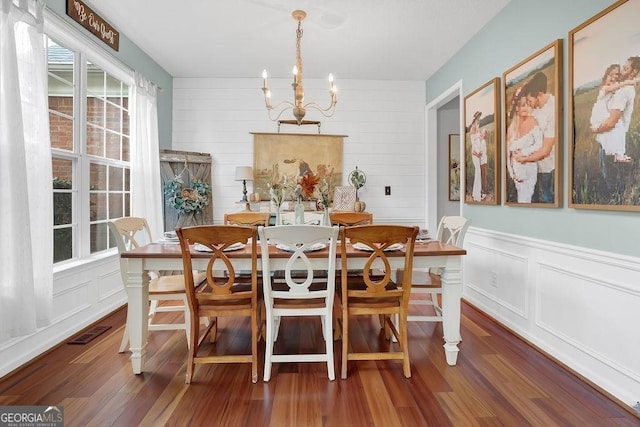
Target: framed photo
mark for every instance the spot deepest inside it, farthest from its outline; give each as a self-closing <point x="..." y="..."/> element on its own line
<point x="533" y="129"/>
<point x="344" y="199"/>
<point x="482" y="144"/>
<point x="604" y="70"/>
<point x="454" y="167"/>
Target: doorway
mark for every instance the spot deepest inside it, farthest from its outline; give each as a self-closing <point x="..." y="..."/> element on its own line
<point x="435" y="151"/>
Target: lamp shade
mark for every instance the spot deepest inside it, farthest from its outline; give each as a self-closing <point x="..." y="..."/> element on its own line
<point x="244" y="173"/>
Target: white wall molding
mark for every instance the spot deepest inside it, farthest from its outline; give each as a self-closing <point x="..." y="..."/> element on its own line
<point x="562" y="299"/>
<point x="82" y="295"/>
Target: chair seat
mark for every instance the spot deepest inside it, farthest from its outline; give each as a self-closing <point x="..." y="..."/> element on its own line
<point x="299" y="303"/>
<point x="172" y="284"/>
<point x="421" y="279"/>
<point x="227" y="305"/>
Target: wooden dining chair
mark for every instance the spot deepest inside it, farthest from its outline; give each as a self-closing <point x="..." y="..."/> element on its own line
<point x="451" y="230"/>
<point x="347" y="219"/>
<point x="222" y="296"/>
<point x="374" y="292"/>
<point x="247" y="218"/>
<point x="301" y="293"/>
<point x="130" y="233"/>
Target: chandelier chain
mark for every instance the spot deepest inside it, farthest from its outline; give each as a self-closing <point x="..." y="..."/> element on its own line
<point x="298" y="107"/>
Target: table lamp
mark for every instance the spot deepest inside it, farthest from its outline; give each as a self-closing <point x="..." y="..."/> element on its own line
<point x="244" y="174"/>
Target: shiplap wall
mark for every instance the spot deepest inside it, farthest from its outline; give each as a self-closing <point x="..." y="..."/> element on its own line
<point x="383" y="121"/>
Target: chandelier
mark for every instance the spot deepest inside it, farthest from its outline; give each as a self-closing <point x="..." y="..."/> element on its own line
<point x="298" y="106"/>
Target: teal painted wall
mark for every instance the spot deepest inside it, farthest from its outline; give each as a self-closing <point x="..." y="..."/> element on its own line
<point x="130" y="55"/>
<point x="520" y="29"/>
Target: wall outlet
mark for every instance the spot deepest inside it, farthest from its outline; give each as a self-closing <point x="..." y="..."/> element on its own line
<point x="494" y="279"/>
<point x="637" y="407"/>
<point x="387" y="190"/>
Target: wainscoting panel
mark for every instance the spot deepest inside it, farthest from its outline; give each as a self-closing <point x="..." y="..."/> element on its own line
<point x="578" y="305"/>
<point x="501" y="283"/>
<point x="109" y="286"/>
<point x="82" y="294"/>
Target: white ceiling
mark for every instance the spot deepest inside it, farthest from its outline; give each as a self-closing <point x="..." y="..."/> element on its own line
<point x="353" y="39"/>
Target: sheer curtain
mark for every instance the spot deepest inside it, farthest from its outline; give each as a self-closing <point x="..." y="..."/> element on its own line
<point x="146" y="186"/>
<point x="26" y="210"/>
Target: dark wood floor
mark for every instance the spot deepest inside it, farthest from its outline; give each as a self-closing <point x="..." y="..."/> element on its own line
<point x="499" y="381"/>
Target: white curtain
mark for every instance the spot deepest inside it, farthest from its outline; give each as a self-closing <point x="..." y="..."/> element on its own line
<point x="26" y="207"/>
<point x="146" y="184"/>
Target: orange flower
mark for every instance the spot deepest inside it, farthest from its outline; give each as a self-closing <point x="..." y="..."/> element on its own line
<point x="308" y="184"/>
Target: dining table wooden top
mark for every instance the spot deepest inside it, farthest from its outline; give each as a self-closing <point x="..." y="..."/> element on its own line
<point x="172" y="250"/>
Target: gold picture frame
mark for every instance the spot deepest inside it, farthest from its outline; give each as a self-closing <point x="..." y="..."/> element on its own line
<point x="482" y="144"/>
<point x="604" y="52"/>
<point x="533" y="129"/>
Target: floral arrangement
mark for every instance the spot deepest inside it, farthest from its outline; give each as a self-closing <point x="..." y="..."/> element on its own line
<point x="324" y="193"/>
<point x="187" y="200"/>
<point x="308" y="185"/>
<point x="278" y="187"/>
<point x="305" y="187"/>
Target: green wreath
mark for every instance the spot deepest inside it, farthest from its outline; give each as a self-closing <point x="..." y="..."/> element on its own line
<point x="187" y="200"/>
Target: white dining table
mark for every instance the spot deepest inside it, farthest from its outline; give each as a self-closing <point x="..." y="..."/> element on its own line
<point x="163" y="256"/>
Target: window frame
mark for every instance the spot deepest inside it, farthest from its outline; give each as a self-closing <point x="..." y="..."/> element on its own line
<point x="85" y="50"/>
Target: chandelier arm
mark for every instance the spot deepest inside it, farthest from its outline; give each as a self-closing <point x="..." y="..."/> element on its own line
<point x="280" y="112"/>
<point x="289" y="104"/>
<point x="327" y="112"/>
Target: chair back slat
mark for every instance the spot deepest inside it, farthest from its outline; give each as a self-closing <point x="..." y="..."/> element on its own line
<point x="217" y="238"/>
<point x="247" y="218"/>
<point x="347" y="219"/>
<point x="452" y="230"/>
<point x="299" y="273"/>
<point x="379" y="239"/>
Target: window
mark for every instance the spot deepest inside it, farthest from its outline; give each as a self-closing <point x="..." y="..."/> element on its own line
<point x="89" y="127"/>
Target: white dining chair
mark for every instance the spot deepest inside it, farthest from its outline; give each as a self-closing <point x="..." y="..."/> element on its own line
<point x="451" y="230"/>
<point x="133" y="232"/>
<point x="310" y="218"/>
<point x="301" y="293"/>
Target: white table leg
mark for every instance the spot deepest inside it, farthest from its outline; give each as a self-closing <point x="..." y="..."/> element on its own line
<point x="137" y="312"/>
<point x="451" y="293"/>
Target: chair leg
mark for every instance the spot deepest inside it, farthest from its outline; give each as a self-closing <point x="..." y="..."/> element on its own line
<point x="254" y="347"/>
<point x="268" y="350"/>
<point x="193" y="351"/>
<point x="396" y="323"/>
<point x="187" y="321"/>
<point x="125" y="339"/>
<point x="404" y="344"/>
<point x="327" y="323"/>
<point x="213" y="334"/>
<point x="276" y="327"/>
<point x="337" y="320"/>
<point x="345" y="341"/>
<point x="436" y="304"/>
<point x="153" y="306"/>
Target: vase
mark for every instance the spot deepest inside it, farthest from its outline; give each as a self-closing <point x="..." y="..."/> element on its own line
<point x="278" y="220"/>
<point x="299" y="212"/>
<point x="326" y="221"/>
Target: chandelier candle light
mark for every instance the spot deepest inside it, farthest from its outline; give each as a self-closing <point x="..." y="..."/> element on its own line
<point x="298" y="106"/>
